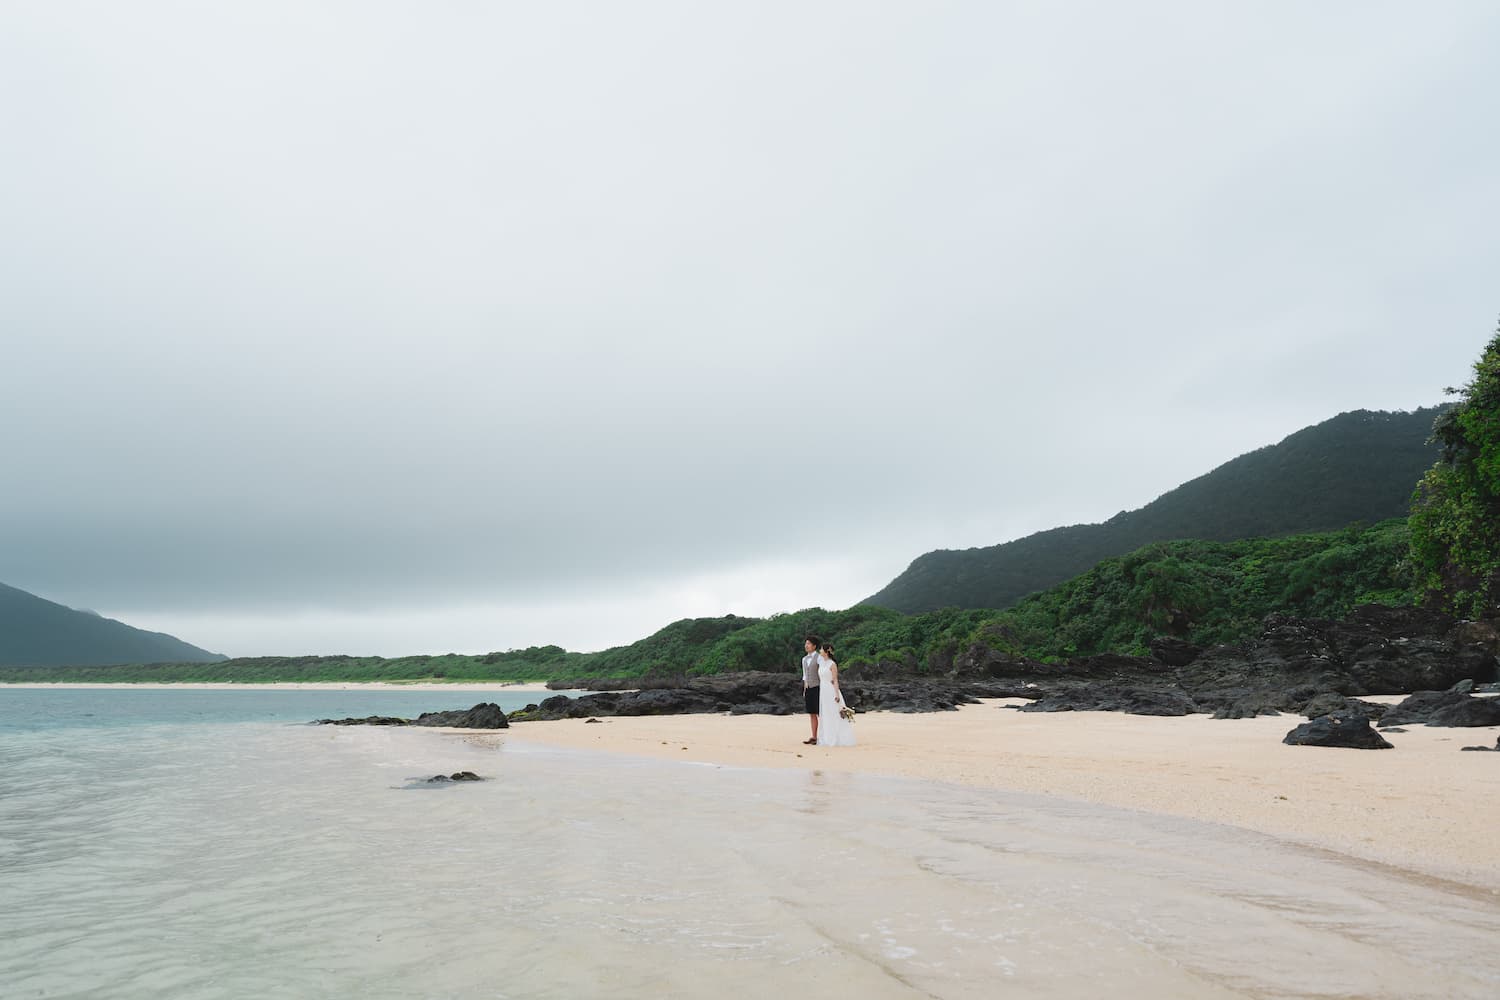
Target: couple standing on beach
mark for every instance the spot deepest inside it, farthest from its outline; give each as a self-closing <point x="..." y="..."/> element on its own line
<point x="820" y="693"/>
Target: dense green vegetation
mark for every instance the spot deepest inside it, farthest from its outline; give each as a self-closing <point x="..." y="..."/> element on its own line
<point x="1208" y="592"/>
<point x="1455" y="517"/>
<point x="1358" y="466"/>
<point x="1202" y="591"/>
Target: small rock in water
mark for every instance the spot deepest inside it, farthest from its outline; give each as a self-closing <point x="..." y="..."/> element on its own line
<point x="369" y="720"/>
<point x="455" y="776"/>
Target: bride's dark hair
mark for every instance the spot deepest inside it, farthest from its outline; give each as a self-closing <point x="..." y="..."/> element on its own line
<point x="828" y="648"/>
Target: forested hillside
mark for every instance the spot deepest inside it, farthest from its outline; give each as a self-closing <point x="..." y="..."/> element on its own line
<point x="1358" y="466"/>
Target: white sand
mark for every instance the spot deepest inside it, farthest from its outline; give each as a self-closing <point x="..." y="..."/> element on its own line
<point x="1424" y="805"/>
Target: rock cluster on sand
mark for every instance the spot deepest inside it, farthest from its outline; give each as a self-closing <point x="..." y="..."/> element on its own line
<point x="1444" y="708"/>
<point x="1341" y="730"/>
<point x="1295" y="665"/>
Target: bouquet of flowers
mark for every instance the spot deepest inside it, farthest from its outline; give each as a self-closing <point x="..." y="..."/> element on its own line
<point x="846" y="713"/>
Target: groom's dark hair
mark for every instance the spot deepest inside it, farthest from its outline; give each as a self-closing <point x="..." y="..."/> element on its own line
<point x="813" y="639"/>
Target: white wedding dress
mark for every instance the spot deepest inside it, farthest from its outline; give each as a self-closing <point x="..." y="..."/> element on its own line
<point x="833" y="729"/>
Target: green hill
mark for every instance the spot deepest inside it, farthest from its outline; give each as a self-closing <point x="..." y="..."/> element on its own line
<point x="1201" y="591"/>
<point x="38" y="633"/>
<point x="1207" y="592"/>
<point x="1358" y="466"/>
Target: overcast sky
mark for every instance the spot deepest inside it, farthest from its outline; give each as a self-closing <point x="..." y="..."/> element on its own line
<point x="414" y="327"/>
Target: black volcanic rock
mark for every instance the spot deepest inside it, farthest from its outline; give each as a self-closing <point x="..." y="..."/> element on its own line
<point x="1337" y="704"/>
<point x="1444" y="708"/>
<point x="1420" y="706"/>
<point x="1115" y="698"/>
<point x="1173" y="652"/>
<point x="486" y="715"/>
<point x="369" y="720"/>
<point x="1396" y="650"/>
<point x="913" y="696"/>
<point x="1468" y="713"/>
<point x="1377" y="650"/>
<point x="980" y="661"/>
<point x="455" y="776"/>
<point x="1253" y="705"/>
<point x="1482" y="634"/>
<point x="764" y="693"/>
<point x="1345" y="730"/>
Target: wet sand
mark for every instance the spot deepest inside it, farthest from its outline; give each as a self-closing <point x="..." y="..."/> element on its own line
<point x="1423" y="806"/>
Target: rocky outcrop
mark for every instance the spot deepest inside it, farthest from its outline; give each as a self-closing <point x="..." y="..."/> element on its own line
<point x="1305" y="666"/>
<point x="1443" y="708"/>
<point x="1115" y="698"/>
<point x="369" y="720"/>
<point x="764" y="693"/>
<point x="486" y="715"/>
<point x="1344" y="730"/>
<point x="455" y="776"/>
<point x="1337" y="704"/>
<point x="1173" y="652"/>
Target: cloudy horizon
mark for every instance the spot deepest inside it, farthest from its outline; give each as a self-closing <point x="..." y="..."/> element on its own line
<point x="375" y="328"/>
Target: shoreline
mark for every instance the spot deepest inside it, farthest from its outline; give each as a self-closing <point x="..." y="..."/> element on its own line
<point x="1424" y="806"/>
<point x="518" y="686"/>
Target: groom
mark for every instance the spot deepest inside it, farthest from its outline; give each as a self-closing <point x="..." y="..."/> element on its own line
<point x="810" y="644"/>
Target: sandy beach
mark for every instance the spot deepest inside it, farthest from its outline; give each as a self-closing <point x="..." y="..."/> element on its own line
<point x="1423" y="806"/>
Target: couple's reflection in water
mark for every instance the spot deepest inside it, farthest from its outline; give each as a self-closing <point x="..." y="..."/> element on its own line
<point x="822" y="790"/>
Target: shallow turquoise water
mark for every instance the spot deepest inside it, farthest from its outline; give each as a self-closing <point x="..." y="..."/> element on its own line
<point x="146" y="853"/>
<point x="31" y="709"/>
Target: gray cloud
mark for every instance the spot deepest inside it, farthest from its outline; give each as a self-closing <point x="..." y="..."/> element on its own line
<point x="345" y="309"/>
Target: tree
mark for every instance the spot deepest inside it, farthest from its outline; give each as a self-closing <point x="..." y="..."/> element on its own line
<point x="1455" y="516"/>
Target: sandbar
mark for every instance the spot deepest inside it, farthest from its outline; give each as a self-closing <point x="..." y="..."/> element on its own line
<point x="1424" y="806"/>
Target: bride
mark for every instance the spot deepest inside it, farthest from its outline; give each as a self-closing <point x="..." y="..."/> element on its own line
<point x="833" y="729"/>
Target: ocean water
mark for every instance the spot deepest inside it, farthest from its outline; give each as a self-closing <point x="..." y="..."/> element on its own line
<point x="210" y="847"/>
<point x="32" y="709"/>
